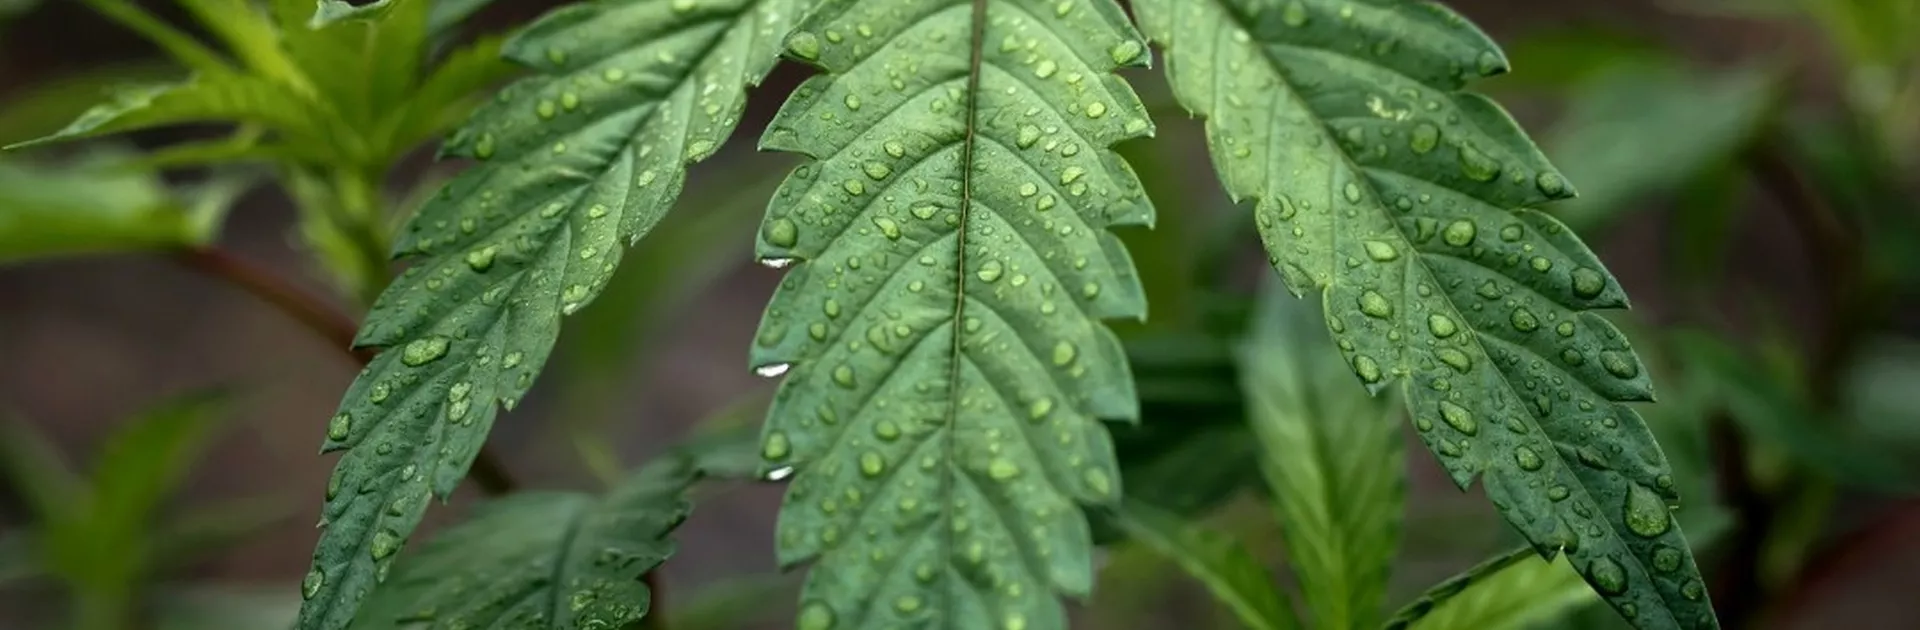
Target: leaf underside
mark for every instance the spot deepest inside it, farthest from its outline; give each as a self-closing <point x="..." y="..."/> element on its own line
<point x="573" y="165"/>
<point x="543" y="560"/>
<point x="946" y="368"/>
<point x="1403" y="201"/>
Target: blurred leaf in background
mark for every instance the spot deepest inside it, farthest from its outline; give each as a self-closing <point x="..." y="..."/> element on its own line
<point x="1699" y="123"/>
<point x="105" y="536"/>
<point x="1514" y="590"/>
<point x="96" y="205"/>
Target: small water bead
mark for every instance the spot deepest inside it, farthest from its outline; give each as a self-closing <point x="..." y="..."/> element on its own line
<point x="1441" y="326"/>
<point x="1064" y="353"/>
<point x="1367" y="369"/>
<point x="871" y="464"/>
<point x="782" y="232"/>
<point x="310" y="585"/>
<point x="816" y="616"/>
<point x="1476" y="165"/>
<point x="1424" y="138"/>
<point x="776" y="447"/>
<point x="1455" y="359"/>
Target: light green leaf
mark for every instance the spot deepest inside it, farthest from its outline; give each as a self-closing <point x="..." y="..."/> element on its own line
<point x="546" y="559"/>
<point x="363" y="63"/>
<point x="250" y="33"/>
<point x="100" y="205"/>
<point x="1332" y="454"/>
<point x="1618" y="117"/>
<point x="212" y="98"/>
<point x="574" y="165"/>
<point x="1234" y="576"/>
<point x="449" y="94"/>
<point x="1507" y="592"/>
<point x="1401" y="202"/>
<point x="946" y="368"/>
<point x="43" y="108"/>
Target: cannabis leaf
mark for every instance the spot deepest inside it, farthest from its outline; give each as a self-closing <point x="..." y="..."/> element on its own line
<point x="941" y="325"/>
<point x="1511" y="590"/>
<point x="1233" y="575"/>
<point x="547" y="559"/>
<point x="1402" y="201"/>
<point x="574" y="164"/>
<point x="1332" y="456"/>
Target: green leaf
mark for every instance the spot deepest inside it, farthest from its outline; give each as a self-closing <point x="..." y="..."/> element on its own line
<point x="449" y="94"/>
<point x="363" y="63"/>
<point x="1234" y="576"/>
<point x="546" y="559"/>
<point x="1401" y="202"/>
<point x="43" y="108"/>
<point x="941" y="322"/>
<point x="250" y="33"/>
<point x="448" y="14"/>
<point x="1332" y="454"/>
<point x="1507" y="592"/>
<point x="211" y="98"/>
<point x="574" y="165"/>
<point x="181" y="46"/>
<point x="34" y="467"/>
<point x="98" y="205"/>
<point x="1620" y="117"/>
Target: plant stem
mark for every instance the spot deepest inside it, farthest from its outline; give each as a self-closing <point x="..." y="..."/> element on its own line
<point x="487" y="473"/>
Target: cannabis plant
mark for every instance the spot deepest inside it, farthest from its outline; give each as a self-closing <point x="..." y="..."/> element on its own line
<point x="952" y="263"/>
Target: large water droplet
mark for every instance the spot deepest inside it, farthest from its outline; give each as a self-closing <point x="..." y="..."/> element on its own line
<point x="1459" y="233"/>
<point x="1063" y="353"/>
<point x="1459" y="418"/>
<point x="310" y="585"/>
<point x="1476" y="165"/>
<point x="385" y="543"/>
<point x="1441" y="326"/>
<point x="1424" y="138"/>
<point x="1588" y="283"/>
<point x="1619" y="364"/>
<point x="1375" y="305"/>
<point x="772" y="369"/>
<point x="339" y="426"/>
<point x="1527" y="458"/>
<point x="1645" y="512"/>
<point x="871" y="464"/>
<point x="423" y="351"/>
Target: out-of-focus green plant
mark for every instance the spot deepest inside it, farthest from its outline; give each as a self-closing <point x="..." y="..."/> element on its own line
<point x="105" y="536"/>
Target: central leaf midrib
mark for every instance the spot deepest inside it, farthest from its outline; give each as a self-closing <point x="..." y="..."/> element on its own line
<point x="976" y="51"/>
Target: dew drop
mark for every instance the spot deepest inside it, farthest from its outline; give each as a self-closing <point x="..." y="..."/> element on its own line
<point x="1441" y="326"/>
<point x="816" y="616"/>
<point x="310" y="585"/>
<point x="1375" y="305"/>
<point x="772" y="369"/>
<point x="1588" y="283"/>
<point x="1619" y="364"/>
<point x="1459" y="418"/>
<point x="1607" y="576"/>
<point x="1063" y="353"/>
<point x="1645" y="513"/>
<point x="423" y="351"/>
<point x="871" y="464"/>
<point x="1523" y="320"/>
<point x="776" y="447"/>
<point x="1459" y="233"/>
<point x="1381" y="251"/>
<point x="1527" y="458"/>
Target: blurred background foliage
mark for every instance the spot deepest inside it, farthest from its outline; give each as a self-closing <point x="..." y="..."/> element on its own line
<point x="1748" y="167"/>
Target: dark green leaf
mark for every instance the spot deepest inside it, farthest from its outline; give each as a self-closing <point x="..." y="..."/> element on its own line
<point x="1234" y="577"/>
<point x="449" y="94"/>
<point x="940" y="331"/>
<point x="1400" y="201"/>
<point x="250" y="34"/>
<point x="546" y="560"/>
<point x="43" y="108"/>
<point x="574" y="165"/>
<point x="34" y="467"/>
<point x="1332" y="455"/>
<point x="1508" y="592"/>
